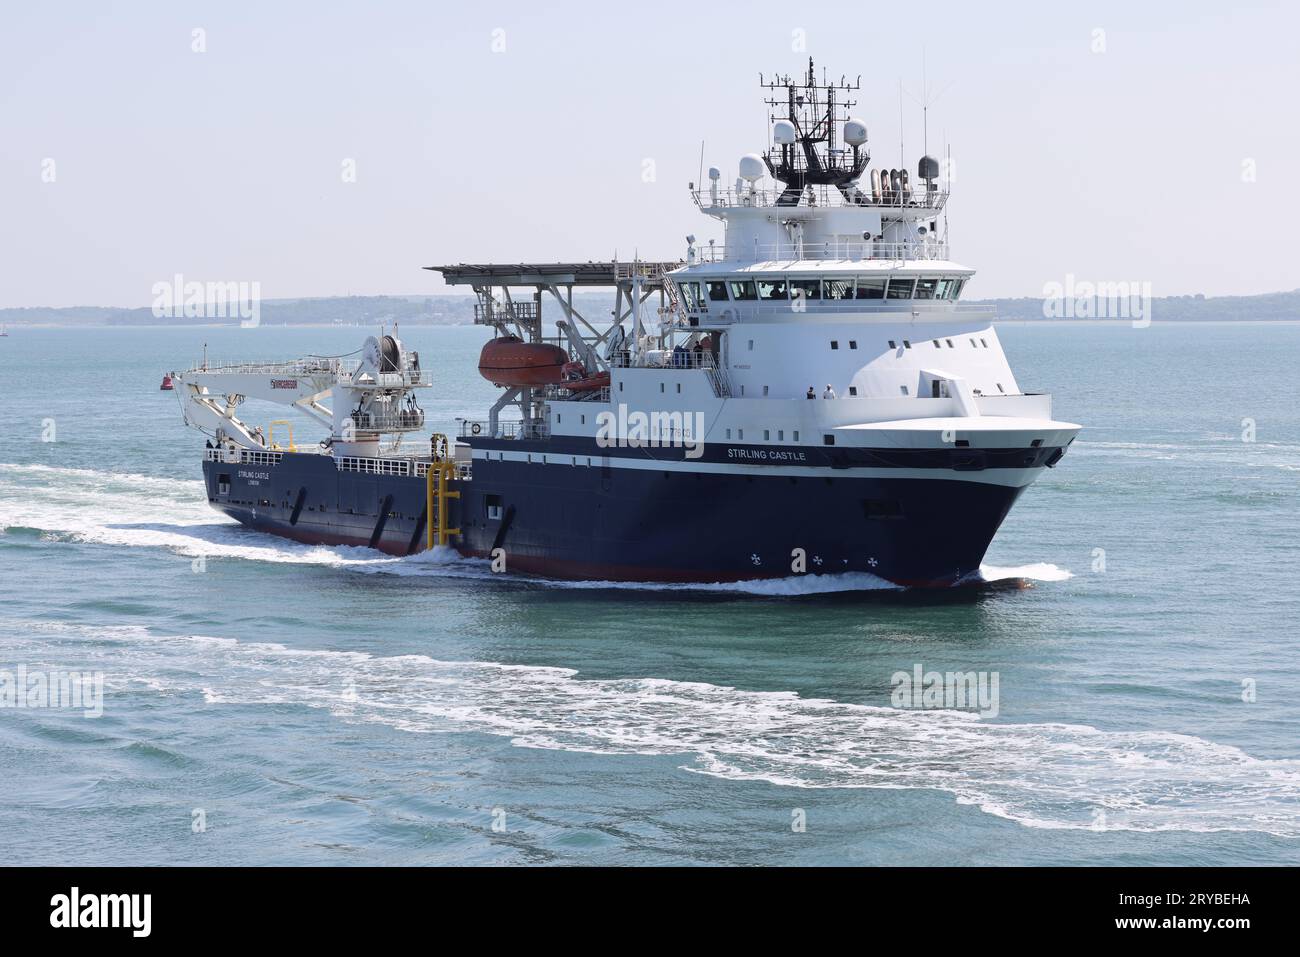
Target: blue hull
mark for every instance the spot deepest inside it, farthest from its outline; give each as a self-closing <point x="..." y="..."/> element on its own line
<point x="639" y="524"/>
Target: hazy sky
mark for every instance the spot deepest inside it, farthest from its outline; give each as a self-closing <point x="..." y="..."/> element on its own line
<point x="227" y="165"/>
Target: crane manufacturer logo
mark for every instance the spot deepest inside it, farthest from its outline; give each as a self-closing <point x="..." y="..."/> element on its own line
<point x="75" y="909"/>
<point x="284" y="383"/>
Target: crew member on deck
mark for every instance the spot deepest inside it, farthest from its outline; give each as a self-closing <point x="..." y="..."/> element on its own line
<point x="829" y="393"/>
<point x="811" y="393"/>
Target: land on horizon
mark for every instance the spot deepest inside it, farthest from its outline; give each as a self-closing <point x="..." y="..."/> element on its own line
<point x="450" y="309"/>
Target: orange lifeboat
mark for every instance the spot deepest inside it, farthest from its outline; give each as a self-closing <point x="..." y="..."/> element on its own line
<point x="511" y="361"/>
<point x="577" y="380"/>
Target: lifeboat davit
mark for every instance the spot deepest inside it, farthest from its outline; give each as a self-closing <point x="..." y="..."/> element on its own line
<point x="166" y="384"/>
<point x="511" y="361"/>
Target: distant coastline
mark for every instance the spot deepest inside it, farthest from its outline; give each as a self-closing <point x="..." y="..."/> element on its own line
<point x="458" y="310"/>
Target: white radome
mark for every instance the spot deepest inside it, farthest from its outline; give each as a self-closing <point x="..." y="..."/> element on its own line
<point x="783" y="132"/>
<point x="752" y="167"/>
<point x="855" y="132"/>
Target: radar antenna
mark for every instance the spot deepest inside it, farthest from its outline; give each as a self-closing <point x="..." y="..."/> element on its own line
<point x="805" y="152"/>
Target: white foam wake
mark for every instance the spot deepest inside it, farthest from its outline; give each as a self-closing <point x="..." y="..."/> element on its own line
<point x="1040" y="775"/>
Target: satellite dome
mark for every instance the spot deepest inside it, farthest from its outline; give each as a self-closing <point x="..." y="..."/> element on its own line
<point x="752" y="167"/>
<point x="855" y="132"/>
<point x="715" y="173"/>
<point x="928" y="168"/>
<point x="783" y="133"/>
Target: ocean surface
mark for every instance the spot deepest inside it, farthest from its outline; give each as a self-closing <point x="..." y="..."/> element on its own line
<point x="266" y="702"/>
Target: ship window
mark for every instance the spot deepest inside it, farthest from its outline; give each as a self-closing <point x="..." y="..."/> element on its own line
<point x="558" y="417"/>
<point x="492" y="506"/>
<point x="838" y="288"/>
<point x="835" y="343"/>
<point x="870" y="288"/>
<point x="728" y="433"/>
<point x="828" y="440"/>
<point x="907" y="344"/>
<point x="936" y="344"/>
<point x="575" y="461"/>
<point x="949" y="341"/>
<point x="751" y="345"/>
<point x="583" y="419"/>
<point x="679" y="388"/>
<point x="904" y="388"/>
<point x="941" y="291"/>
<point x="853" y="343"/>
<point x="984" y="343"/>
<point x="743" y="291"/>
<point x="796" y="435"/>
<point x="740" y="434"/>
<point x="773" y="289"/>
<point x="620" y="387"/>
<point x="717" y="290"/>
<point x="925" y="287"/>
<point x="1000" y="389"/>
<point x="1037" y="443"/>
<point x="811" y="288"/>
<point x="955" y="291"/>
<point x="974" y="344"/>
<point x="853" y="390"/>
<point x="767" y="435"/>
<point x="764" y="391"/>
<point x="780" y="435"/>
<point x="223" y="484"/>
<point x="892" y="344"/>
<point x="661" y="387"/>
<point x="900" y="288"/>
<point x="963" y="443"/>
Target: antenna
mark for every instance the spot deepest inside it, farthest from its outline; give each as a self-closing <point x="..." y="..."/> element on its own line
<point x="700" y="178"/>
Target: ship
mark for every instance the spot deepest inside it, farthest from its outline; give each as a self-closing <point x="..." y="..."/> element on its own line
<point x="809" y="396"/>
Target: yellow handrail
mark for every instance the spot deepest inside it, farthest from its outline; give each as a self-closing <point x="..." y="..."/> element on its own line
<point x="270" y="438"/>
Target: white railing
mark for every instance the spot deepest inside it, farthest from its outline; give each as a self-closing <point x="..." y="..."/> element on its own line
<point x="357" y="463"/>
<point x="845" y="251"/>
<point x="242" y="456"/>
<point x="308" y="366"/>
<point x="403" y="421"/>
<point x="917" y="197"/>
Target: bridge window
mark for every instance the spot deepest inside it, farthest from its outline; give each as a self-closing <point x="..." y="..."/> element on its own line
<point x="743" y="291"/>
<point x="838" y="288"/>
<point x="955" y="290"/>
<point x="811" y="288"/>
<point x="717" y="290"/>
<point x="772" y="289"/>
<point x="925" y="287"/>
<point x="870" y="288"/>
<point x="901" y="288"/>
<point x="691" y="295"/>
